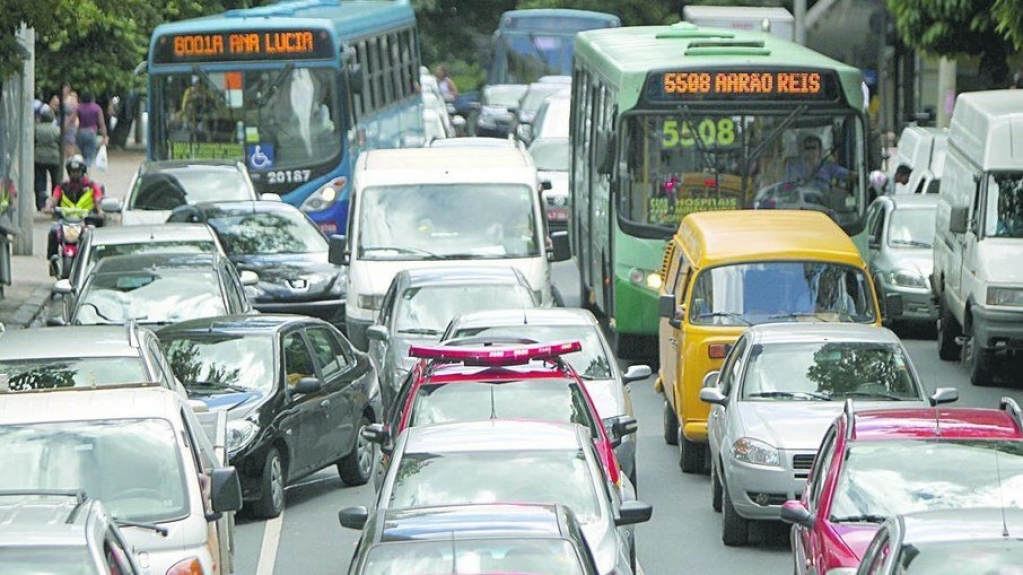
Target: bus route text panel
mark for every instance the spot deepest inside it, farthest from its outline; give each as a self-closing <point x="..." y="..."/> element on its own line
<point x="728" y="85"/>
<point x="243" y="46"/>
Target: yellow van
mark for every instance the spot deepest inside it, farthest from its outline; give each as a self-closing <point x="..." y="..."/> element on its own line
<point x="724" y="271"/>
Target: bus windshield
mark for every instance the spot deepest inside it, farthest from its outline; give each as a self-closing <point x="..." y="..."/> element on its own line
<point x="688" y="162"/>
<point x="285" y="117"/>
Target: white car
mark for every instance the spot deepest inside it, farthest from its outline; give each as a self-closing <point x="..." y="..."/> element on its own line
<point x="779" y="389"/>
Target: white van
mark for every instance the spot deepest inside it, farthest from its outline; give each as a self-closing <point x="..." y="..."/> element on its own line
<point x="423" y="207"/>
<point x="978" y="245"/>
<point x="923" y="150"/>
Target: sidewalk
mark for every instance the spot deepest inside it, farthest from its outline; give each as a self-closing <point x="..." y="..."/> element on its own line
<point x="31" y="284"/>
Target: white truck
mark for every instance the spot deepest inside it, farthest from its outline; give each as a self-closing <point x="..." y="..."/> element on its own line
<point x="978" y="244"/>
<point x="777" y="21"/>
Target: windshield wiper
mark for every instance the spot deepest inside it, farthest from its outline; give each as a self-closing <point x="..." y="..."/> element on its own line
<point x="217" y="385"/>
<point x="914" y="243"/>
<point x="792" y="394"/>
<point x="401" y="250"/>
<point x="151" y="526"/>
<point x="420" y="331"/>
<point x="864" y="518"/>
<point x="728" y="314"/>
<point x="798" y="315"/>
<point x="102" y="315"/>
<point x="883" y="394"/>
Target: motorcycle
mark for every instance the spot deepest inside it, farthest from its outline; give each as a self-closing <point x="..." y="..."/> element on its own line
<point x="71" y="224"/>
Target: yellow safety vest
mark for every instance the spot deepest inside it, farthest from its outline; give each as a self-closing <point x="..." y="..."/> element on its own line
<point x="85" y="202"/>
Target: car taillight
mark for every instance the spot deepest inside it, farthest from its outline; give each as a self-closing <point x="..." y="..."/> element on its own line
<point x="190" y="566"/>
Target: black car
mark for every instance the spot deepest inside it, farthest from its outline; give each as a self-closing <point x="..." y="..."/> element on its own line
<point x="284" y="248"/>
<point x="297" y="395"/>
<point x="158" y="289"/>
<point x="484" y="538"/>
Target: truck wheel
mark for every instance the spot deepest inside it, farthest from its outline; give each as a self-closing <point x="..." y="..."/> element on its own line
<point x="690" y="454"/>
<point x="977" y="361"/>
<point x="670" y="424"/>
<point x="948" y="331"/>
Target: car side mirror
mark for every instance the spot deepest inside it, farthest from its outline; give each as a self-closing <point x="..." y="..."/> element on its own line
<point x="198" y="405"/>
<point x="636" y="373"/>
<point x="632" y="512"/>
<point x="337" y="250"/>
<point x="377" y="332"/>
<point x="111" y="205"/>
<point x="561" y="250"/>
<point x="710" y="379"/>
<point x="225" y="490"/>
<point x="545" y="185"/>
<point x="248" y="277"/>
<point x="795" y="513"/>
<point x="63" y="287"/>
<point x="376" y="433"/>
<point x="714" y="396"/>
<point x="873" y="244"/>
<point x="944" y="395"/>
<point x="270" y="197"/>
<point x="524" y="132"/>
<point x="307" y="385"/>
<point x="666" y="305"/>
<point x="354" y="517"/>
<point x="959" y="220"/>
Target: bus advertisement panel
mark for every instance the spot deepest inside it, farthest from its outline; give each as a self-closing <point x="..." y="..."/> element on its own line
<point x="295" y="90"/>
<point x="682" y="119"/>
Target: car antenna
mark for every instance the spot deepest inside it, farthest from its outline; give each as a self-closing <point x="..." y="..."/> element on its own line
<point x="493" y="404"/>
<point x="1001" y="495"/>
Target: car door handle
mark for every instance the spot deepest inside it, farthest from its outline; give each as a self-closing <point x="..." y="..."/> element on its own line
<point x="325" y="403"/>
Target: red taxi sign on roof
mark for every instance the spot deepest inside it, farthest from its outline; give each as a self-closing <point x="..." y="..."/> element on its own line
<point x="495" y="355"/>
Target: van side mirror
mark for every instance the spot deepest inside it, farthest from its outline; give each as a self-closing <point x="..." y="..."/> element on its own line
<point x="561" y="250"/>
<point x="959" y="220"/>
<point x="225" y="490"/>
<point x="337" y="253"/>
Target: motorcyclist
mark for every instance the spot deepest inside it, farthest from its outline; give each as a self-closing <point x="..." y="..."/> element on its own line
<point x="77" y="191"/>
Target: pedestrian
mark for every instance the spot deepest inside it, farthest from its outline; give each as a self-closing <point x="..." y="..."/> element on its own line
<point x="47" y="155"/>
<point x="69" y="114"/>
<point x="448" y="90"/>
<point x="901" y="177"/>
<point x="92" y="128"/>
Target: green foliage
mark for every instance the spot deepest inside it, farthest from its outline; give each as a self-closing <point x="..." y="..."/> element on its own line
<point x="1009" y="14"/>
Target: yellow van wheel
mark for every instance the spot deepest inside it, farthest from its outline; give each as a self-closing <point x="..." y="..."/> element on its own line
<point x="670" y="424"/>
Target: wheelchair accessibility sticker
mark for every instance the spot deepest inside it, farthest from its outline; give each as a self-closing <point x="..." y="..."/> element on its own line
<point x="261" y="156"/>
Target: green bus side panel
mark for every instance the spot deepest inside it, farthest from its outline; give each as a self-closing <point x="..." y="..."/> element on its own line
<point x="635" y="307"/>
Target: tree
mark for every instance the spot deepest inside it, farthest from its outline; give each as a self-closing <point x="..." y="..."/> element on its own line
<point x="952" y="28"/>
<point x="1009" y="14"/>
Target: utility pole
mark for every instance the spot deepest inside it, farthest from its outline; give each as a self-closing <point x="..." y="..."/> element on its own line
<point x="799" y="7"/>
<point x="25" y="208"/>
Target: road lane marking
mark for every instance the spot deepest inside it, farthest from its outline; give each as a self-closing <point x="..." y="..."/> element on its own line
<point x="268" y="552"/>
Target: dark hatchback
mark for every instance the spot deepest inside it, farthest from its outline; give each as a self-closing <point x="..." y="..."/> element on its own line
<point x="297" y="395"/>
<point x="284" y="248"/>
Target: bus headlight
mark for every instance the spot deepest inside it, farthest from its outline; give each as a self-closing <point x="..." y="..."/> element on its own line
<point x="645" y="278"/>
<point x="324" y="197"/>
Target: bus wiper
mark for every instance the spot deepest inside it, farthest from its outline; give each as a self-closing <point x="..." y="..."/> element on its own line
<point x="687" y="118"/>
<point x="209" y="83"/>
<point x="864" y="518"/>
<point x="142" y="525"/>
<point x="728" y="314"/>
<point x="792" y="395"/>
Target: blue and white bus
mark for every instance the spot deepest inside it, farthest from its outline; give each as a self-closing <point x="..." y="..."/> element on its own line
<point x="295" y="89"/>
<point x="529" y="44"/>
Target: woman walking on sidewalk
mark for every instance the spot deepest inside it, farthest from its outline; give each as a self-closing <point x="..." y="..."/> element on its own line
<point x="92" y="128"/>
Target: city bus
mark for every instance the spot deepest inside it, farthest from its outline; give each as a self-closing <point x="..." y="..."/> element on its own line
<point x="669" y="120"/>
<point x="295" y="89"/>
<point x="532" y="43"/>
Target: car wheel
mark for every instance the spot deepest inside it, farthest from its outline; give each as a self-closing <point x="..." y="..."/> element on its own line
<point x="271" y="500"/>
<point x="690" y="454"/>
<point x="670" y="424"/>
<point x="715" y="488"/>
<point x="734" y="528"/>
<point x="948" y="331"/>
<point x="356" y="468"/>
<point x="977" y="360"/>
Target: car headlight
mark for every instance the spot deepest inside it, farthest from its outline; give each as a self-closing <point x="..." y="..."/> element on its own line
<point x="649" y="279"/>
<point x="324" y="197"/>
<point x="1005" y="296"/>
<point x="371" y="302"/>
<point x="907" y="278"/>
<point x="240" y="433"/>
<point x="754" y="451"/>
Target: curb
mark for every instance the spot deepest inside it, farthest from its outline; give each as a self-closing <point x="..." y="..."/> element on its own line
<point x="29" y="311"/>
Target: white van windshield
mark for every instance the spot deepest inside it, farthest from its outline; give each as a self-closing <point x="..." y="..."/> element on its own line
<point x="1004" y="205"/>
<point x="448" y="221"/>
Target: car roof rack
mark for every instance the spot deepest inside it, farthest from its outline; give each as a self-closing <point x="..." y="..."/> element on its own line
<point x="495" y="356"/>
<point x="132" y="327"/>
<point x="1010" y="406"/>
<point x="850" y="419"/>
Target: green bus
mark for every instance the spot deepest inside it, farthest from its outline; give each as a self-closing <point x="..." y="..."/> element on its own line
<point x="669" y="120"/>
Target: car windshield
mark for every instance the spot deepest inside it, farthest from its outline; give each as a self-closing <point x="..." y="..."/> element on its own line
<point x="990" y="557"/>
<point x="828" y="370"/>
<point x="131" y="465"/>
<point x="213" y="363"/>
<point x="150" y="297"/>
<point x="430" y="308"/>
<point x="150" y="246"/>
<point x="448" y="221"/>
<point x="472" y="556"/>
<point x="550" y="154"/>
<point x="551" y="399"/>
<point x="912" y="227"/>
<point x="521" y="476"/>
<point x="60" y="372"/>
<point x="591" y="362"/>
<point x="168" y="189"/>
<point x="886" y="478"/>
<point x="268" y="233"/>
<point x="43" y="560"/>
<point x="747" y="294"/>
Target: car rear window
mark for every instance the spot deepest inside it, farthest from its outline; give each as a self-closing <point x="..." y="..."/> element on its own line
<point x="63" y="372"/>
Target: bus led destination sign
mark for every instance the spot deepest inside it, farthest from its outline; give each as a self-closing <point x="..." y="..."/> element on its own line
<point x="781" y="85"/>
<point x="240" y="46"/>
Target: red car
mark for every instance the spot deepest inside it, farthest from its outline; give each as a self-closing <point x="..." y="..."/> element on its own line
<point x="455" y="383"/>
<point x="875" y="464"/>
